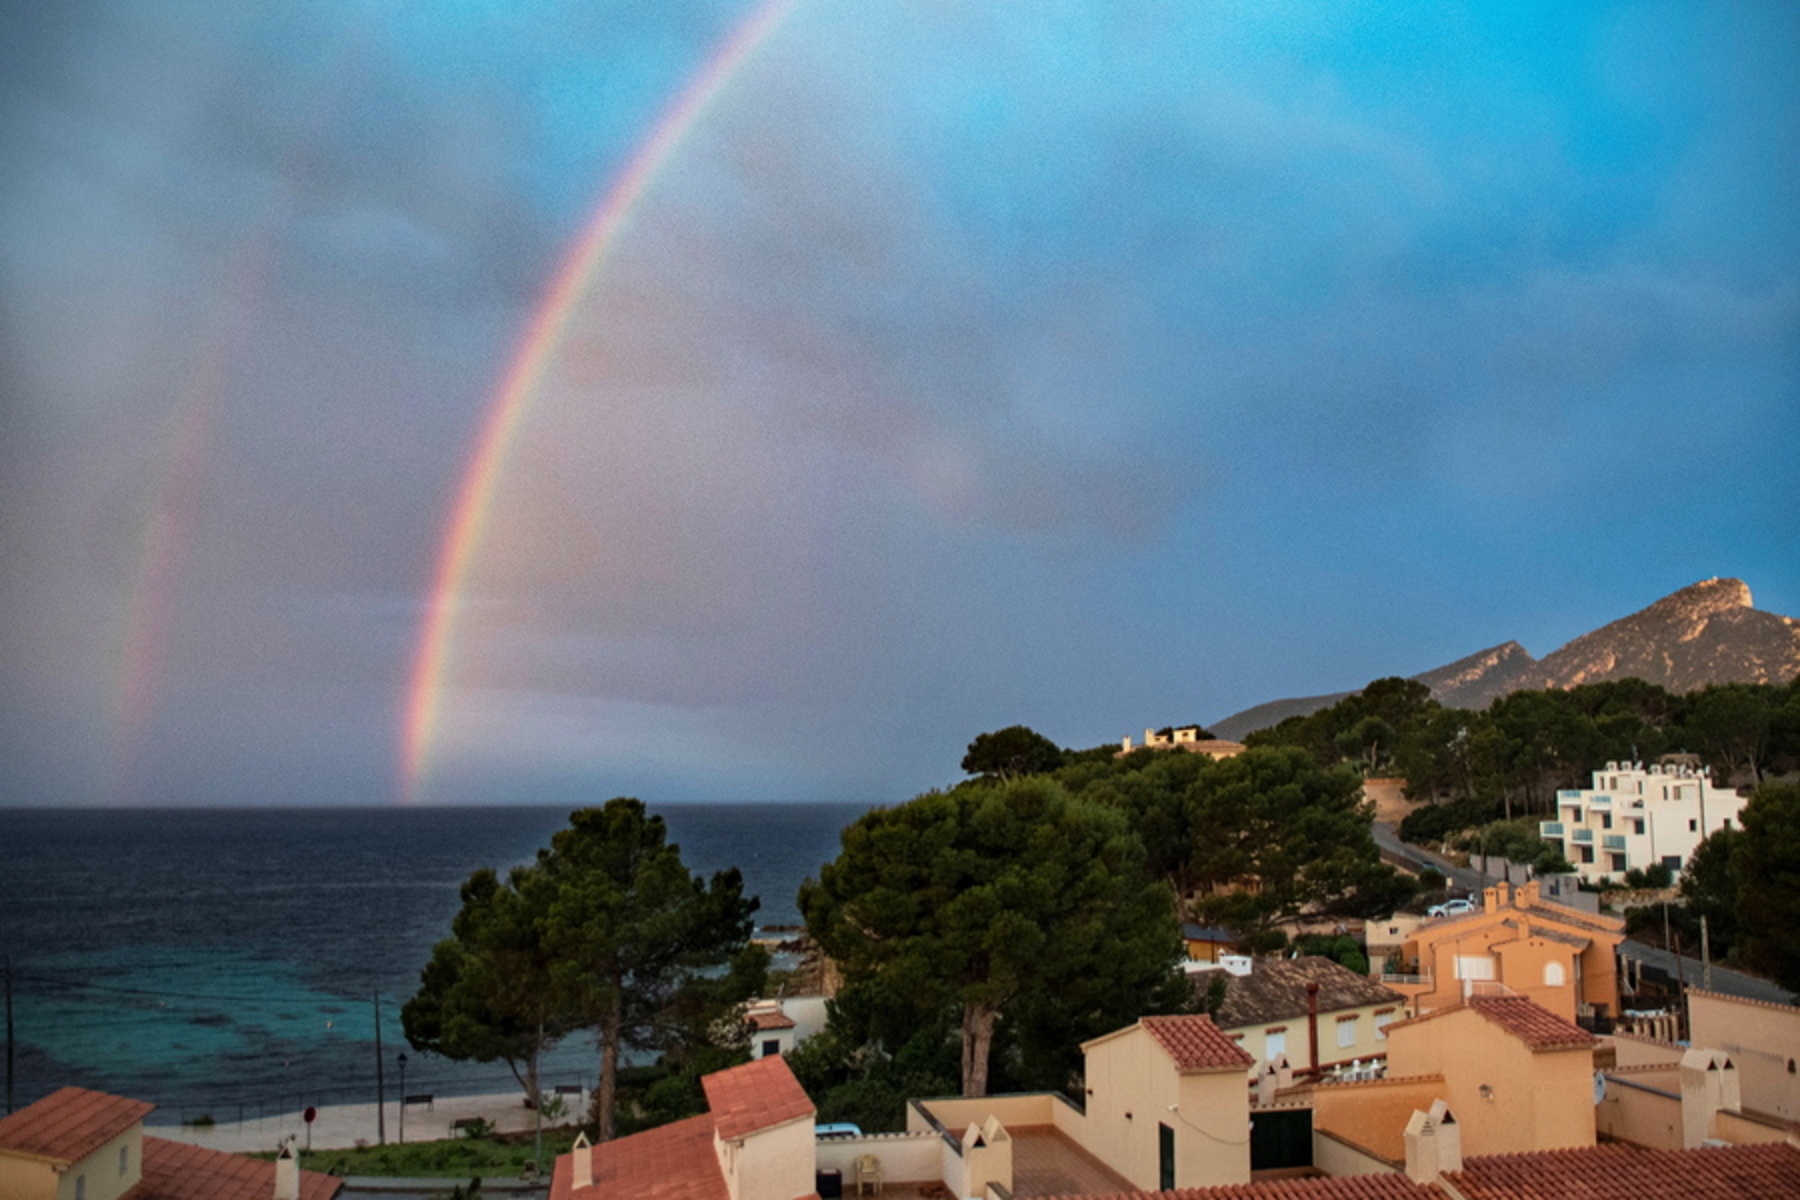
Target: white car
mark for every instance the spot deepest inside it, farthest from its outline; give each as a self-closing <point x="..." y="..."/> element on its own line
<point x="1450" y="908"/>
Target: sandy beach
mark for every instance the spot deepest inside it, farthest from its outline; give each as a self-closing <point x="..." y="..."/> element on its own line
<point x="341" y="1126"/>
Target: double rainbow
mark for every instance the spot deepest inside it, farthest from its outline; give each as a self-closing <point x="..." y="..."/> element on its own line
<point x="512" y="401"/>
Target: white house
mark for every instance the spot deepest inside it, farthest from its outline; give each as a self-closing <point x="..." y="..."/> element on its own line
<point x="1635" y="817"/>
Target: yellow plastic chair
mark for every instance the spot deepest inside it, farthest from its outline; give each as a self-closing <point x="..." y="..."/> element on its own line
<point x="868" y="1170"/>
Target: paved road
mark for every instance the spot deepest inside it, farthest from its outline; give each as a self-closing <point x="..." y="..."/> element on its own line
<point x="1387" y="839"/>
<point x="1724" y="981"/>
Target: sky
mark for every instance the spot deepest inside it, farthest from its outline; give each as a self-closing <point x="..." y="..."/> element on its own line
<point x="485" y="402"/>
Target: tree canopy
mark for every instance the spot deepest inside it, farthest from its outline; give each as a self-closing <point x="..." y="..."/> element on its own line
<point x="1011" y="753"/>
<point x="485" y="994"/>
<point x="607" y="930"/>
<point x="982" y="897"/>
<point x="639" y="941"/>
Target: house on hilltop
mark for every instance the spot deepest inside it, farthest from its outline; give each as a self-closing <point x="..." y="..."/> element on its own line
<point x="1186" y="738"/>
<point x="1633" y="818"/>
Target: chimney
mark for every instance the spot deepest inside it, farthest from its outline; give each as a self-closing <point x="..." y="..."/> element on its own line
<point x="1709" y="1083"/>
<point x="1449" y="1136"/>
<point x="583" y="1155"/>
<point x="287" y="1174"/>
<point x="1422" y="1163"/>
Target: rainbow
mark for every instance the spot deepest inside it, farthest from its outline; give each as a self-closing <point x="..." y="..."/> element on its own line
<point x="512" y="400"/>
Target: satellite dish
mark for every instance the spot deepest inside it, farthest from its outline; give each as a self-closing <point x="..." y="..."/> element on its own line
<point x="1599" y="1086"/>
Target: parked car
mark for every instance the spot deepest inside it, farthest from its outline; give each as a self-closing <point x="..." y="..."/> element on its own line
<point x="1450" y="908"/>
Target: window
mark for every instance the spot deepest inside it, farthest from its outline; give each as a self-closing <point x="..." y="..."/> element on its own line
<point x="1726" y="824"/>
<point x="1382" y="1021"/>
<point x="1637" y="826"/>
<point x="1474" y="966"/>
<point x="1553" y="974"/>
<point x="81" y="1187"/>
<point x="1346" y="1032"/>
<point x="1693" y="825"/>
<point x="772" y="1048"/>
<point x="1275" y="1044"/>
<point x="1673" y="862"/>
<point x="124" y="1159"/>
<point x="1606" y="820"/>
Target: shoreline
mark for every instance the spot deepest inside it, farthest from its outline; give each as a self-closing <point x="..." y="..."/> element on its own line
<point x="342" y="1126"/>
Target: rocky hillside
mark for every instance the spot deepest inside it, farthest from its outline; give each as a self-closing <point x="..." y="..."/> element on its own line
<point x="1706" y="633"/>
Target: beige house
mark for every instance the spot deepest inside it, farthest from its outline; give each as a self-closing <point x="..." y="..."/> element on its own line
<point x="1517" y="1076"/>
<point x="1519" y="944"/>
<point x="1187" y="738"/>
<point x="1168" y="1103"/>
<point x="77" y="1144"/>
<point x="1311" y="1011"/>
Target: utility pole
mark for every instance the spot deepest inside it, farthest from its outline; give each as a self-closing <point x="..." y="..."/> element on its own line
<point x="380" y="1087"/>
<point x="9" y="1034"/>
<point x="1705" y="956"/>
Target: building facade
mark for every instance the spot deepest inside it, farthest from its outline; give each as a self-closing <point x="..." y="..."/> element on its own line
<point x="1636" y="817"/>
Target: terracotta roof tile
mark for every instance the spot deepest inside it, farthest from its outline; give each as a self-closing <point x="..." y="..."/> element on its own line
<point x="69" y="1123"/>
<point x="178" y="1171"/>
<point x="770" y="1020"/>
<point x="671" y="1162"/>
<point x="757" y="1095"/>
<point x="1617" y="1172"/>
<point x="1196" y="1044"/>
<point x="1276" y="989"/>
<point x="1342" y="1187"/>
<point x="1531" y="1023"/>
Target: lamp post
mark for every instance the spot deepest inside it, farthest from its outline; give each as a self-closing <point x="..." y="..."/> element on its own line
<point x="403" y="1095"/>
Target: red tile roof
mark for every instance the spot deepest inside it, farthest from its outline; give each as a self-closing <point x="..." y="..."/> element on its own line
<point x="671" y="1162"/>
<point x="1196" y="1044"/>
<point x="69" y="1123"/>
<point x="757" y="1095"/>
<point x="770" y="1020"/>
<point x="1531" y="1023"/>
<point x="1616" y="1172"/>
<point x="177" y="1171"/>
<point x="1342" y="1187"/>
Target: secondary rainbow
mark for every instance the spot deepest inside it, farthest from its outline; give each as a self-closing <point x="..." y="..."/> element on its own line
<point x="506" y="413"/>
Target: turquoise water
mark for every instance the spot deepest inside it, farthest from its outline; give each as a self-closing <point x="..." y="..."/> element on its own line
<point x="228" y="961"/>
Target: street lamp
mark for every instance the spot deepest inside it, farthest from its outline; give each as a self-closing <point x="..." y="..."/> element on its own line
<point x="403" y="1095"/>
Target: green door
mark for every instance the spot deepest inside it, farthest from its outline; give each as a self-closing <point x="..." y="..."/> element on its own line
<point x="1165" y="1156"/>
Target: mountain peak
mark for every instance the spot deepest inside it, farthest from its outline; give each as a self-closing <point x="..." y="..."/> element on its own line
<point x="1706" y="633"/>
<point x="1704" y="599"/>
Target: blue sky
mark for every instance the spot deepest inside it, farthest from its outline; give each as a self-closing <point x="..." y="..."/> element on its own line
<point x="1085" y="365"/>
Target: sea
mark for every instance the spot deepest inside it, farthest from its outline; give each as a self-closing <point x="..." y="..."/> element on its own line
<point x="236" y="963"/>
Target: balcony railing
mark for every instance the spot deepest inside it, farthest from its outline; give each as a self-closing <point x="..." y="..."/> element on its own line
<point x="1583" y="835"/>
<point x="1599" y="798"/>
<point x="1613" y="841"/>
<point x="1389" y="977"/>
<point x="1568" y="794"/>
<point x="1550" y="829"/>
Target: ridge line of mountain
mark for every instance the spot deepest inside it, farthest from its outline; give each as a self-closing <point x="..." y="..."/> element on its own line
<point x="1705" y="633"/>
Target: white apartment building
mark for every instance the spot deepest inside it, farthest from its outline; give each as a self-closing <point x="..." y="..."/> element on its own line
<point x="1635" y="817"/>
